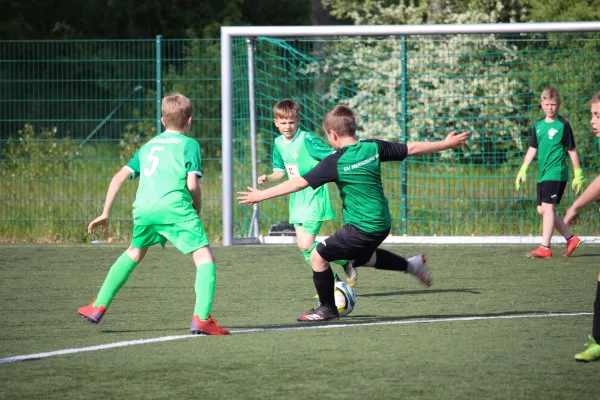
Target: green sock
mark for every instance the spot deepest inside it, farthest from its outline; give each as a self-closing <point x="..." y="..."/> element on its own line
<point x="306" y="254"/>
<point x="114" y="281"/>
<point x="206" y="278"/>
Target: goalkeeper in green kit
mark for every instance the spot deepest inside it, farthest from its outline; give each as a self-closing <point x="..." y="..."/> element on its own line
<point x="166" y="207"/>
<point x="295" y="153"/>
<point x="552" y="139"/>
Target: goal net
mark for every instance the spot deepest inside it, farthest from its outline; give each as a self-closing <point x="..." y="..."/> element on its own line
<point x="407" y="86"/>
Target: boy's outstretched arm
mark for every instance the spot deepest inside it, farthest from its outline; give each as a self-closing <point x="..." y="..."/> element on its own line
<point x="590" y="194"/>
<point x="276" y="176"/>
<point x="256" y="196"/>
<point x="452" y="141"/>
<point x="113" y="189"/>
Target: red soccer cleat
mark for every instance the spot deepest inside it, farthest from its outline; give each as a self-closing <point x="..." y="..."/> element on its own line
<point x="208" y="326"/>
<point x="572" y="244"/>
<point x="91" y="313"/>
<point x="540" y="252"/>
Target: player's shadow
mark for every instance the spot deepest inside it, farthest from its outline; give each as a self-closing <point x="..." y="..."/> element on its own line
<point x="361" y="319"/>
<point x="412" y="292"/>
<point x="174" y="330"/>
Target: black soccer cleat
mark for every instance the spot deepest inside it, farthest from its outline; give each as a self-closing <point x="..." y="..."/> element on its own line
<point x="321" y="313"/>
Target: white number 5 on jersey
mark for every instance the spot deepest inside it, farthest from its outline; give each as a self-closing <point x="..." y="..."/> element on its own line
<point x="153" y="159"/>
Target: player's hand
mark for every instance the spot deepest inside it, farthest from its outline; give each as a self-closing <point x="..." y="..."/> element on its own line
<point x="457" y="139"/>
<point x="578" y="180"/>
<point x="262" y="180"/>
<point x="101" y="220"/>
<point x="521" y="176"/>
<point x="571" y="216"/>
<point x="252" y="197"/>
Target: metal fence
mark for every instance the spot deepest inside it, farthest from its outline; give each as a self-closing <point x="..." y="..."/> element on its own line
<point x="72" y="114"/>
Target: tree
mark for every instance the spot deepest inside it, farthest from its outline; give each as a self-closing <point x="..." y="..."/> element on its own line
<point x="454" y="82"/>
<point x="563" y="10"/>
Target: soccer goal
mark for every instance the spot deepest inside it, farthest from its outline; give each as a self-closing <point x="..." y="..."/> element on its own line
<point x="407" y="83"/>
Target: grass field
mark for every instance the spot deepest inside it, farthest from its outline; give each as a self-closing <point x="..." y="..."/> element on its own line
<point x="401" y="341"/>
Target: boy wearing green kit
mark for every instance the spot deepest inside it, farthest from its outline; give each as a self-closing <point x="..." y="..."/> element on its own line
<point x="166" y="207"/>
<point x="295" y="153"/>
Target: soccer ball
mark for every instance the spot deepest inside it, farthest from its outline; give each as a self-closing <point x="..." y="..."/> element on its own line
<point x="345" y="299"/>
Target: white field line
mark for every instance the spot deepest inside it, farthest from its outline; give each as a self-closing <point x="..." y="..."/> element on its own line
<point x="333" y="325"/>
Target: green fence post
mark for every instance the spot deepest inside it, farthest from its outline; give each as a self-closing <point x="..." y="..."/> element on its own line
<point x="403" y="166"/>
<point x="158" y="83"/>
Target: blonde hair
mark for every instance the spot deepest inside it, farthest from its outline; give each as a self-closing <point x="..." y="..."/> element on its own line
<point x="286" y="109"/>
<point x="341" y="120"/>
<point x="550" y="93"/>
<point x="176" y="111"/>
<point x="596" y="98"/>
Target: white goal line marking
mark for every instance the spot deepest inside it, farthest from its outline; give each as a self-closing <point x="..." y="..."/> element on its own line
<point x="36" y="356"/>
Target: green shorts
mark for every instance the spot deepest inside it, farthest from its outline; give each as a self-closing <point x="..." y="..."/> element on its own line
<point x="186" y="236"/>
<point x="310" y="227"/>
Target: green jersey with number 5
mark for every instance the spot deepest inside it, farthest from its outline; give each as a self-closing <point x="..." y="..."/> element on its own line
<point x="296" y="157"/>
<point x="163" y="165"/>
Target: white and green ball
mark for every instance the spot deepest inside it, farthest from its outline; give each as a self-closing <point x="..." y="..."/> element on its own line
<point x="345" y="299"/>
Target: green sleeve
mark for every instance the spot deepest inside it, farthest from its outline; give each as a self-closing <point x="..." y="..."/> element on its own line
<point x="134" y="165"/>
<point x="192" y="158"/>
<point x="278" y="164"/>
<point x="316" y="148"/>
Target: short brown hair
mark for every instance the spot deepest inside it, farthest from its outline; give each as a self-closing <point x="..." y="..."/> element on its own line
<point x="341" y="120"/>
<point x="176" y="110"/>
<point x="286" y="109"/>
<point x="550" y="93"/>
<point x="596" y="98"/>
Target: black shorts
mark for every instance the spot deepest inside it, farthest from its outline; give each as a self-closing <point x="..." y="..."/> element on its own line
<point x="350" y="243"/>
<point x="550" y="192"/>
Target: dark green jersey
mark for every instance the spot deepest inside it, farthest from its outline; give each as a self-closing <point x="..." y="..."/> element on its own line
<point x="552" y="140"/>
<point x="356" y="170"/>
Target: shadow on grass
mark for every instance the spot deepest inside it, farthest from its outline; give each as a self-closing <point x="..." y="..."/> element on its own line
<point x="584" y="255"/>
<point x="176" y="331"/>
<point x="424" y="291"/>
<point x="362" y="319"/>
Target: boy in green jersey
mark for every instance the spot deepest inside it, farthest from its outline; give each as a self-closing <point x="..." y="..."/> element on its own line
<point x="591" y="193"/>
<point x="166" y="207"/>
<point x="552" y="139"/>
<point x="295" y="153"/>
<point x="355" y="167"/>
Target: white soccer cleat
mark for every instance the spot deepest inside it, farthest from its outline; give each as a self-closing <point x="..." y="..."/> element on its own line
<point x="417" y="266"/>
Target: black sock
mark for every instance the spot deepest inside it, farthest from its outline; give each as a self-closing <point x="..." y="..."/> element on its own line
<point x="324" y="284"/>
<point x="596" y="320"/>
<point x="389" y="261"/>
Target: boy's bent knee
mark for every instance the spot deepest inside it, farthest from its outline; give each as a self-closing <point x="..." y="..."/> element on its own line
<point x="318" y="263"/>
<point x="136" y="254"/>
<point x="305" y="246"/>
<point x="203" y="255"/>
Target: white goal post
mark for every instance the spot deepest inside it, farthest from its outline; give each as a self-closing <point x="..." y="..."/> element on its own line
<point x="230" y="32"/>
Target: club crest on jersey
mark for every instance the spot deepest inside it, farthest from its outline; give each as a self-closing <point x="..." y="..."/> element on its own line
<point x="551" y="133"/>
